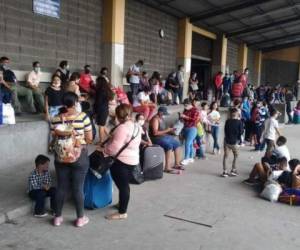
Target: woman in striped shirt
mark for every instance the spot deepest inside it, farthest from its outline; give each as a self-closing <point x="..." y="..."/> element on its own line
<point x="72" y="173"/>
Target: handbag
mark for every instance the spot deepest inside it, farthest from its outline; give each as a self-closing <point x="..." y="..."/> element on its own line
<point x="137" y="176"/>
<point x="100" y="164"/>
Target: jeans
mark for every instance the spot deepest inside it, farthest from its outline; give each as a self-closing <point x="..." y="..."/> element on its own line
<point x="189" y="135"/>
<point x="134" y="88"/>
<point x="258" y="132"/>
<point x="74" y="174"/>
<point x="174" y="96"/>
<point x="200" y="152"/>
<point x="215" y="135"/>
<point x="167" y="142"/>
<point x="120" y="173"/>
<point x="39" y="196"/>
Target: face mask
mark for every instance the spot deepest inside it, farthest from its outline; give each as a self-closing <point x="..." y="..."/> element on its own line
<point x="163" y="117"/>
<point x="87" y="71"/>
<point x="67" y="67"/>
<point x="5" y="67"/>
<point x="141" y="122"/>
<point x="37" y="69"/>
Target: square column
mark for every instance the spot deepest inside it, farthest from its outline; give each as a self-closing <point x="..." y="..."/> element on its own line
<point x="257" y="69"/>
<point x="113" y="39"/>
<point x="242" y="57"/>
<point x="184" y="50"/>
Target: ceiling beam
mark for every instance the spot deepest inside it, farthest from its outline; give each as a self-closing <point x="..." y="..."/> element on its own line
<point x="274" y="39"/>
<point x="228" y="9"/>
<point x="281" y="46"/>
<point x="263" y="26"/>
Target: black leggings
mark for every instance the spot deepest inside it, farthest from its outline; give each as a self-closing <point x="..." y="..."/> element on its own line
<point x="120" y="173"/>
<point x="74" y="174"/>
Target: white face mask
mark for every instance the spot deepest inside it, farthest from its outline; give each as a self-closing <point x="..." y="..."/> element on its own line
<point x="141" y="122"/>
<point x="37" y="69"/>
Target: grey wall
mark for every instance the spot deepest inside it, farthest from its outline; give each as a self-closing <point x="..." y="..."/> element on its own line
<point x="143" y="42"/>
<point x="201" y="46"/>
<point x="276" y="72"/>
<point x="232" y="55"/>
<point x="76" y="36"/>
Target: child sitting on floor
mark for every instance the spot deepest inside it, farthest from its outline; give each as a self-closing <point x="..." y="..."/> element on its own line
<point x="39" y="186"/>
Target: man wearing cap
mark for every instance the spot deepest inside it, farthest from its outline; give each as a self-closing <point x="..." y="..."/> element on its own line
<point x="162" y="135"/>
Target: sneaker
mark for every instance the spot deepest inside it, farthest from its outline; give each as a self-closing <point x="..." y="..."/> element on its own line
<point x="191" y="160"/>
<point x="57" y="221"/>
<point x="233" y="173"/>
<point x="41" y="215"/>
<point x="185" y="162"/>
<point x="80" y="222"/>
<point x="225" y="174"/>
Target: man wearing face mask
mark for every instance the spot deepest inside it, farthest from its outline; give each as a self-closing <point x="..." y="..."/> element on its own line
<point x="33" y="82"/>
<point x="63" y="72"/>
<point x="86" y="83"/>
<point x="12" y="86"/>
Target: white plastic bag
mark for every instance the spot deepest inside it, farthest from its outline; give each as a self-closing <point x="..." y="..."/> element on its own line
<point x="178" y="126"/>
<point x="8" y="114"/>
<point x="271" y="191"/>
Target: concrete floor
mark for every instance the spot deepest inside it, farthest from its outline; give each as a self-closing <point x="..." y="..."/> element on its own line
<point x="239" y="218"/>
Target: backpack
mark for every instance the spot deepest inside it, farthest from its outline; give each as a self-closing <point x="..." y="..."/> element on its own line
<point x="66" y="146"/>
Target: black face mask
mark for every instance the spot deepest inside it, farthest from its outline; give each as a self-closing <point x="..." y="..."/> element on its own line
<point x="87" y="71"/>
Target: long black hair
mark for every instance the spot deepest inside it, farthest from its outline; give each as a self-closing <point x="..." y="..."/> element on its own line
<point x="102" y="86"/>
<point x="69" y="100"/>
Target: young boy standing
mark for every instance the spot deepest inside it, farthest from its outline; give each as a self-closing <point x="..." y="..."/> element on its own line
<point x="39" y="186"/>
<point x="233" y="132"/>
<point x="271" y="129"/>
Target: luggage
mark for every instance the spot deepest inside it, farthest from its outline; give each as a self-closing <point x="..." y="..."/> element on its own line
<point x="153" y="162"/>
<point x="225" y="101"/>
<point x="8" y="114"/>
<point x="97" y="192"/>
<point x="290" y="196"/>
<point x="296" y="118"/>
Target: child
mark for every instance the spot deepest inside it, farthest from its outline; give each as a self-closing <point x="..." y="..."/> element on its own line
<point x="39" y="186"/>
<point x="53" y="98"/>
<point x="233" y="132"/>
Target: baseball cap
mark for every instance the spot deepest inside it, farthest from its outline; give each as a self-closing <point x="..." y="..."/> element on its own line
<point x="163" y="110"/>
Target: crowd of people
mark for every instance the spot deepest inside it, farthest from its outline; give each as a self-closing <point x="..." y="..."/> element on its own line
<point x="74" y="101"/>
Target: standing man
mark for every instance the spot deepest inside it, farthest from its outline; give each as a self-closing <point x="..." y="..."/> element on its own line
<point x="134" y="74"/>
<point x="244" y="78"/>
<point x="63" y="72"/>
<point x="33" y="82"/>
<point x="233" y="133"/>
<point x="15" y="88"/>
<point x="180" y="79"/>
<point x="218" y="81"/>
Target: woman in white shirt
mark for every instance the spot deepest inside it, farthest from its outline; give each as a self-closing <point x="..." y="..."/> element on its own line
<point x="143" y="105"/>
<point x="214" y="118"/>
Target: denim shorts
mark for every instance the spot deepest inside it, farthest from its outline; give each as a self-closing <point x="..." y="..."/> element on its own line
<point x="167" y="142"/>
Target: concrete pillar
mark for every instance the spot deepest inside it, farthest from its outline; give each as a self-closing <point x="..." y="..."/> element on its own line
<point x="242" y="57"/>
<point x="224" y="54"/>
<point x="184" y="50"/>
<point x="113" y="39"/>
<point x="257" y="69"/>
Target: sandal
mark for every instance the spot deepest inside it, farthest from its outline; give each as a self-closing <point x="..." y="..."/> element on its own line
<point x="179" y="167"/>
<point x="173" y="171"/>
<point x="116" y="216"/>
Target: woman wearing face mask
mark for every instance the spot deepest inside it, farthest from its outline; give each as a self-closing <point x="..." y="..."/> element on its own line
<point x="33" y="82"/>
<point x="73" y="86"/>
<point x="191" y="117"/>
<point x="121" y="169"/>
<point x="86" y="82"/>
<point x="63" y="72"/>
<point x="146" y="141"/>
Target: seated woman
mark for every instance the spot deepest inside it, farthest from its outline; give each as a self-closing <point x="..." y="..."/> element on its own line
<point x="161" y="135"/>
<point x="262" y="171"/>
<point x="146" y="141"/>
<point x="143" y="105"/>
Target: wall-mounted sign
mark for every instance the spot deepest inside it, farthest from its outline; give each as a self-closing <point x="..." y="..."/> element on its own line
<point x="47" y="7"/>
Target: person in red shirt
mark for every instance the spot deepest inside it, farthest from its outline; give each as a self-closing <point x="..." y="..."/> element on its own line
<point x="244" y="78"/>
<point x="218" y="85"/>
<point x="191" y="117"/>
<point x="86" y="83"/>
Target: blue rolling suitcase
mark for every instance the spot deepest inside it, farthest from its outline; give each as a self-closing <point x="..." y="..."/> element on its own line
<point x="97" y="192"/>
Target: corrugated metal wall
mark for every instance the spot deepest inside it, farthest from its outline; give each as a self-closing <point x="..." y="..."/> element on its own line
<point x="232" y="55"/>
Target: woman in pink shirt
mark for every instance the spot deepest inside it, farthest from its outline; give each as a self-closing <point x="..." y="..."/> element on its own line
<point x="129" y="157"/>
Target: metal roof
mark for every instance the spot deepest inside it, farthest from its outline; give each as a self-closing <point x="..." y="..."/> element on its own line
<point x="262" y="24"/>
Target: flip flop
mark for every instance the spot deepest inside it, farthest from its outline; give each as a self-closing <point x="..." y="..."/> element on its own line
<point x="179" y="167"/>
<point x="173" y="171"/>
<point x="116" y="216"/>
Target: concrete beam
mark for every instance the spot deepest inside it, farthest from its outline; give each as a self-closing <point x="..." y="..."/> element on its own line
<point x="204" y="32"/>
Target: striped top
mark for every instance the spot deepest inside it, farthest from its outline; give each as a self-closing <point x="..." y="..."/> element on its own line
<point x="80" y="122"/>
